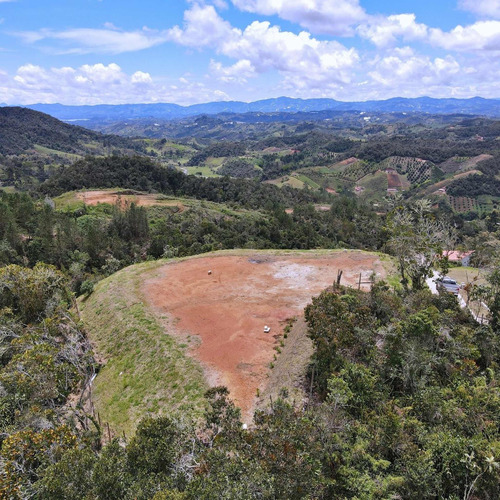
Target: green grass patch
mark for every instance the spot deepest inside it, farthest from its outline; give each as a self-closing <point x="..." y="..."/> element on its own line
<point x="68" y="201"/>
<point x="146" y="371"/>
<point x="287" y="181"/>
<point x="9" y="189"/>
<point x="463" y="274"/>
<point x="309" y="182"/>
<point x="375" y="186"/>
<point x="204" y="171"/>
<point x="48" y="151"/>
<point x="215" y="162"/>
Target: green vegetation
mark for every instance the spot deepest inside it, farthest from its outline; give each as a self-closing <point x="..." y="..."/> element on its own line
<point x="405" y="399"/>
<point x="402" y="390"/>
<point x="382" y="364"/>
<point x="146" y="371"/>
<point x="374" y="186"/>
<point x="307" y="181"/>
<point x="475" y="185"/>
<point x="239" y="167"/>
<point x="203" y="171"/>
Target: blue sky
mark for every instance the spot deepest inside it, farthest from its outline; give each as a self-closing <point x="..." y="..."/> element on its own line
<point x="189" y="51"/>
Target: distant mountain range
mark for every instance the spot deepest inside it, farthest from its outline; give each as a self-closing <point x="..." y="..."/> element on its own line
<point x="120" y="112"/>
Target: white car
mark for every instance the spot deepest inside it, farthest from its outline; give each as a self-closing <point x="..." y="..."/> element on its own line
<point x="448" y="285"/>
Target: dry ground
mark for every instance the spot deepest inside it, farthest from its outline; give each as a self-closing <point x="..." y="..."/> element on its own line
<point x="123" y="198"/>
<point x="228" y="308"/>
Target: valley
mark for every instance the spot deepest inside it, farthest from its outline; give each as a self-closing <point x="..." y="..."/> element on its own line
<point x="249" y="250"/>
<point x="265" y="290"/>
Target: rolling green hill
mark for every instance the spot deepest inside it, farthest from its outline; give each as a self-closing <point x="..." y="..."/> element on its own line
<point x="24" y="130"/>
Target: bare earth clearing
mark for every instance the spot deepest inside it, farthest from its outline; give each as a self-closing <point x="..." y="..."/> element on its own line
<point x="229" y="308"/>
<point x="140" y="199"/>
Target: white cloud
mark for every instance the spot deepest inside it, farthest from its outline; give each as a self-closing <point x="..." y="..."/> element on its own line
<point x="97" y="84"/>
<point x="319" y="16"/>
<point x="237" y="73"/>
<point x="404" y="69"/>
<point x="221" y="4"/>
<point x="299" y="57"/>
<point x="480" y="36"/>
<point x="485" y="8"/>
<point x="86" y="40"/>
<point x="385" y="31"/>
<point x="203" y="27"/>
<point x="141" y="77"/>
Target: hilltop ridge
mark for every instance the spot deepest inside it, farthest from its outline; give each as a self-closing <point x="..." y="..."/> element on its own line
<point x="170" y="111"/>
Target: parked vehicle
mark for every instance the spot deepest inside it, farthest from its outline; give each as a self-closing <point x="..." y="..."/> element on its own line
<point x="447" y="284"/>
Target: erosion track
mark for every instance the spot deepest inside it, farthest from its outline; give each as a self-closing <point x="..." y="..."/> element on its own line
<point x="227" y="300"/>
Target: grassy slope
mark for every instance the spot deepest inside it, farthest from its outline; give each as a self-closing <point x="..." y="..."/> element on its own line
<point x="146" y="371"/>
<point x="287" y="181"/>
<point x="290" y="368"/>
<point x="70" y="201"/>
<point x="375" y="185"/>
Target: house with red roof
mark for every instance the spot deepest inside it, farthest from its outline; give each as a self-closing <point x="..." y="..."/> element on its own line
<point x="458" y="256"/>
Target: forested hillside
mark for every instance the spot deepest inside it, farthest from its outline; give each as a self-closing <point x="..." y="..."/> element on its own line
<point x="399" y="394"/>
<point x="351" y="153"/>
<point x="405" y="400"/>
<point x="22" y="129"/>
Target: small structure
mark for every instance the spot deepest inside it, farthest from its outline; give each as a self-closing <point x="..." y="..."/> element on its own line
<point x="267" y="329"/>
<point x="209" y="273"/>
<point x="458" y="256"/>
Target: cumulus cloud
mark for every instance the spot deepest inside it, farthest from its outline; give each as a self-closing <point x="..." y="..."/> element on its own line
<point x="318" y="16"/>
<point x="299" y="57"/>
<point x="141" y="77"/>
<point x="480" y="36"/>
<point x="484" y="8"/>
<point x="237" y="73"/>
<point x="405" y="69"/>
<point x="386" y="31"/>
<point x="97" y="84"/>
<point x="263" y="59"/>
<point x="109" y="40"/>
<point x="203" y="27"/>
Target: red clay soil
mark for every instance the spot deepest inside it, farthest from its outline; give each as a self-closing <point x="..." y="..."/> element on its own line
<point x="143" y="200"/>
<point x="229" y="308"/>
<point x="349" y="161"/>
<point x="393" y="180"/>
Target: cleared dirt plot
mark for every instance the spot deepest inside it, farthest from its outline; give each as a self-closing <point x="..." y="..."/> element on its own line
<point x="393" y="180"/>
<point x="348" y="161"/>
<point x="228" y="300"/>
<point x="122" y="197"/>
